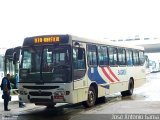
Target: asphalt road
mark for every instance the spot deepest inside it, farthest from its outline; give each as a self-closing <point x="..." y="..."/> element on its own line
<point x="144" y="104"/>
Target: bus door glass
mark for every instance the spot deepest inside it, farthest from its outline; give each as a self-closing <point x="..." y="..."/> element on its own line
<point x="79" y="65"/>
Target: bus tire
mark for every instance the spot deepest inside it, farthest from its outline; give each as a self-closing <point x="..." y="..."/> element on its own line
<point x="128" y="92"/>
<point x="91" y="98"/>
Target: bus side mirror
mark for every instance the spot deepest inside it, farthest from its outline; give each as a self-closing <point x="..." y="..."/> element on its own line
<point x="14" y="58"/>
<point x="80" y="53"/>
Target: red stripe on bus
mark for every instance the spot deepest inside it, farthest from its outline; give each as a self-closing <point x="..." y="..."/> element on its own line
<point x="112" y="73"/>
<point x="106" y="74"/>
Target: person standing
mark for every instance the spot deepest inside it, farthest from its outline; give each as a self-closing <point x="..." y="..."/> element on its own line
<point x="6" y="87"/>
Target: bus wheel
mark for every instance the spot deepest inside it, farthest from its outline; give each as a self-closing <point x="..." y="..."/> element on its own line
<point x="91" y="98"/>
<point x="129" y="92"/>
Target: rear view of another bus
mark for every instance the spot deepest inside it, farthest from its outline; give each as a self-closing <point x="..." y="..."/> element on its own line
<point x="1" y="67"/>
<point x="11" y="64"/>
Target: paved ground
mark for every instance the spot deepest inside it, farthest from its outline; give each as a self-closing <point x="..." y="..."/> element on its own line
<point x="14" y="106"/>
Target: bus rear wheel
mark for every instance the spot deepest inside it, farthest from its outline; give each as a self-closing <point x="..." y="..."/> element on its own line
<point x="91" y="98"/>
<point x="128" y="92"/>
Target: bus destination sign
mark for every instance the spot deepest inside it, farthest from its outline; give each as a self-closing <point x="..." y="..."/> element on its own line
<point x="50" y="39"/>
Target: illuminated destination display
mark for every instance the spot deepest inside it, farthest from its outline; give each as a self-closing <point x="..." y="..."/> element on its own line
<point x="47" y="39"/>
<point x="50" y="39"/>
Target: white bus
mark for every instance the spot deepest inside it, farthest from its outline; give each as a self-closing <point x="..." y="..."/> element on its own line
<point x="69" y="69"/>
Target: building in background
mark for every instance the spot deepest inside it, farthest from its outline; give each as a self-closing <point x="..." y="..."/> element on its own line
<point x="151" y="45"/>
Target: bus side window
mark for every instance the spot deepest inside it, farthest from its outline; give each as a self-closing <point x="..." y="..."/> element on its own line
<point x="103" y="55"/>
<point x="135" y="57"/>
<point x="129" y="57"/>
<point x="121" y="56"/>
<point x="113" y="56"/>
<point x="141" y="57"/>
<point x="92" y="55"/>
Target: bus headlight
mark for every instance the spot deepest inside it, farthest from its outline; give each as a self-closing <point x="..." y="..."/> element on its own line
<point x="59" y="95"/>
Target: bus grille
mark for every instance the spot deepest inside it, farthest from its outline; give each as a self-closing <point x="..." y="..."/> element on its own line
<point x="40" y="93"/>
<point x="38" y="100"/>
<point x="41" y="87"/>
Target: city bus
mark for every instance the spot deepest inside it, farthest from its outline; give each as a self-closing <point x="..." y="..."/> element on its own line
<point x="11" y="65"/>
<point x="70" y="69"/>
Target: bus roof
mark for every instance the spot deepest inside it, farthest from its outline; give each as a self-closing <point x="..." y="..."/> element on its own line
<point x="106" y="42"/>
<point x="10" y="51"/>
<point x="29" y="41"/>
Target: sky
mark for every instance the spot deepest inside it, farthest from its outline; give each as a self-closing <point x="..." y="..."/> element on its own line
<point x="106" y="19"/>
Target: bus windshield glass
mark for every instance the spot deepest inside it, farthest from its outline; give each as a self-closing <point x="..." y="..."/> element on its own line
<point x="45" y="64"/>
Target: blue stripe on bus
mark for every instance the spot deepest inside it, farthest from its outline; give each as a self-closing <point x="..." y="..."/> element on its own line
<point x="95" y="76"/>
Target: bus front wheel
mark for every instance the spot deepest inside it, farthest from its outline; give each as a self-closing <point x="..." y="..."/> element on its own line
<point x="91" y="98"/>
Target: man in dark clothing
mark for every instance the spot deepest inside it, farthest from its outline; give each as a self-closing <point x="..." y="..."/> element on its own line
<point x="6" y="87"/>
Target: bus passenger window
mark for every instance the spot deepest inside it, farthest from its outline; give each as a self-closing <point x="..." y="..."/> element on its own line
<point x="121" y="56"/>
<point x="103" y="55"/>
<point x="141" y="57"/>
<point x="135" y="57"/>
<point x="129" y="57"/>
<point x="113" y="56"/>
<point x="92" y="55"/>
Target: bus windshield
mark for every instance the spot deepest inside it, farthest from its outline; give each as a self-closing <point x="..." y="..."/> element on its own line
<point x="45" y="64"/>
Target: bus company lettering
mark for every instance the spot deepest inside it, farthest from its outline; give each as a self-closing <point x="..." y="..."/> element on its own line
<point x="122" y="72"/>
